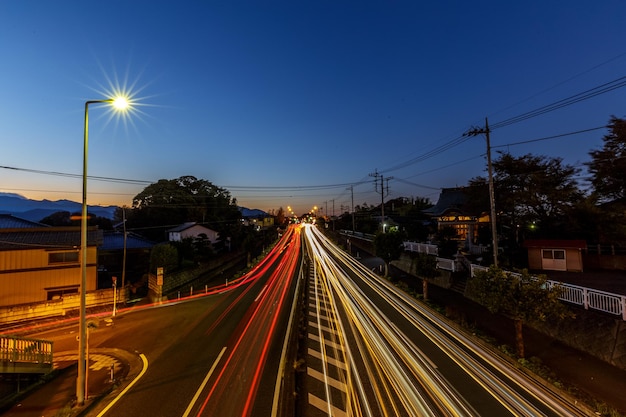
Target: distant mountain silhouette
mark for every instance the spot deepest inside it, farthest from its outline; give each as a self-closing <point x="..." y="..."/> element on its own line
<point x="36" y="210"/>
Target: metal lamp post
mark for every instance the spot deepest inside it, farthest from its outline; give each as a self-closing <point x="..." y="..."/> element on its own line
<point x="119" y="103"/>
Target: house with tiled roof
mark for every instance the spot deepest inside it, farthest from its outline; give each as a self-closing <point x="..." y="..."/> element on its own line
<point x="111" y="255"/>
<point x="453" y="209"/>
<point x="9" y="221"/>
<point x="40" y="262"/>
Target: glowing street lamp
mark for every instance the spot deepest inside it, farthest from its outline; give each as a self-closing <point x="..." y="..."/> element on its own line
<point x="119" y="103"/>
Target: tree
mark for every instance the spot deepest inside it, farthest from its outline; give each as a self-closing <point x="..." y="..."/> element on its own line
<point x="608" y="165"/>
<point x="60" y="218"/>
<point x="536" y="189"/>
<point x="280" y="217"/>
<point x="523" y="298"/>
<point x="426" y="269"/>
<point x="164" y="255"/>
<point x="447" y="243"/>
<point x="389" y="246"/>
<point x="608" y="178"/>
<point x="64" y="218"/>
<point x="167" y="203"/>
<point x="534" y="195"/>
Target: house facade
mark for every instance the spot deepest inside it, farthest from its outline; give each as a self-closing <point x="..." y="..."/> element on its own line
<point x="453" y="211"/>
<point x="39" y="262"/>
<point x="555" y="255"/>
<point x="192" y="230"/>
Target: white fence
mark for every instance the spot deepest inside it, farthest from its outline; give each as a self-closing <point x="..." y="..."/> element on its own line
<point x="588" y="298"/>
<point x="446" y="264"/>
<point x="421" y="248"/>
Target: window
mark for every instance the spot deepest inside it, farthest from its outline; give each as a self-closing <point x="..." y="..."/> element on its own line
<point x="55" y="294"/>
<point x="553" y="254"/>
<point x="62" y="257"/>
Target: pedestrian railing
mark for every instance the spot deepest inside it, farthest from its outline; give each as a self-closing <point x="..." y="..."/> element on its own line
<point x="588" y="298"/>
<point x="21" y="355"/>
<point x="421" y="248"/>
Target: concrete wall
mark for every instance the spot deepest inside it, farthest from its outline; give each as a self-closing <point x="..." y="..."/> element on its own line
<point x="408" y="265"/>
<point x="596" y="333"/>
<point x="57" y="308"/>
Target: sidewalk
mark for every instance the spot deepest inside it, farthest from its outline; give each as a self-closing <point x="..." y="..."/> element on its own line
<point x="57" y="396"/>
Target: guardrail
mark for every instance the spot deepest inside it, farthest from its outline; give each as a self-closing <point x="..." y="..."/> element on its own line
<point x="588" y="298"/>
<point x="21" y="355"/>
<point x="365" y="236"/>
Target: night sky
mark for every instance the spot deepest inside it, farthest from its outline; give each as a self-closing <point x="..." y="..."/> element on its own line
<point x="292" y="103"/>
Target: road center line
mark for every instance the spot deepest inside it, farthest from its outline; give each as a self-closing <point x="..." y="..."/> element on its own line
<point x="206" y="380"/>
<point x="260" y="294"/>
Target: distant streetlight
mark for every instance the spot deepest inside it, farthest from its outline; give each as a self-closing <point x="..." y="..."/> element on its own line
<point x="119" y="103"/>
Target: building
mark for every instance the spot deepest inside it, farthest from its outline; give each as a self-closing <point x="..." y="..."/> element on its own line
<point x="116" y="254"/>
<point x="453" y="210"/>
<point x="555" y="255"/>
<point x="192" y="230"/>
<point x="40" y="262"/>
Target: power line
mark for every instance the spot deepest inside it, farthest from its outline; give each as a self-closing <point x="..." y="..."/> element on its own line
<point x="576" y="98"/>
<point x="585" y="95"/>
<point x="551" y="137"/>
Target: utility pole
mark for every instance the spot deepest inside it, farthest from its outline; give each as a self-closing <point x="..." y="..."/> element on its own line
<point x="352" y="197"/>
<point x="492" y="200"/>
<point x="382" y="192"/>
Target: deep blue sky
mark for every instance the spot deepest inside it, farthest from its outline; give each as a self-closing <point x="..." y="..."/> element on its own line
<point x="288" y="103"/>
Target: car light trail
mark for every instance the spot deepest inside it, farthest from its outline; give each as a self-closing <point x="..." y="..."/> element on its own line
<point x="241" y="370"/>
<point x="402" y="379"/>
<point x="402" y="385"/>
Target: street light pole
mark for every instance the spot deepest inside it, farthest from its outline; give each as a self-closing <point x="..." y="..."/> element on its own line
<point x="120" y="103"/>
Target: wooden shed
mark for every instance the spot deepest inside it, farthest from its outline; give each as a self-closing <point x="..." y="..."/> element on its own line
<point x="555" y="255"/>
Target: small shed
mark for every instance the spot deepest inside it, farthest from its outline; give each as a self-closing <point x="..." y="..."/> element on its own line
<point x="555" y="255"/>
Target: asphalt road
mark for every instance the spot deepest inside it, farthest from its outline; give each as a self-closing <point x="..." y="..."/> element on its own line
<point x="211" y="355"/>
<point x="444" y="371"/>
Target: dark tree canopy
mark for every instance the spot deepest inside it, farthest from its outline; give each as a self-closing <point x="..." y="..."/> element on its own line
<point x="389" y="245"/>
<point x="535" y="187"/>
<point x="64" y="218"/>
<point x="534" y="194"/>
<point x="523" y="298"/>
<point x="168" y="203"/>
<point x="608" y="165"/>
